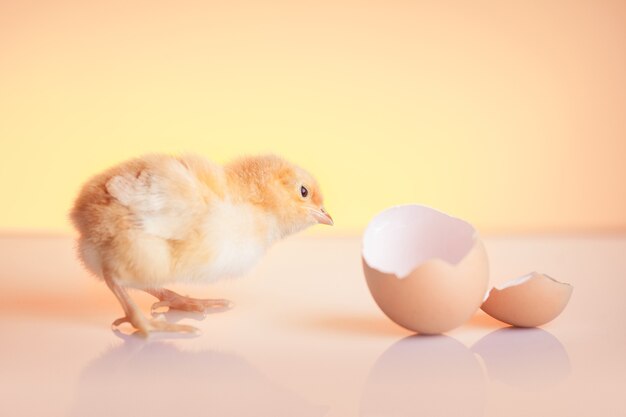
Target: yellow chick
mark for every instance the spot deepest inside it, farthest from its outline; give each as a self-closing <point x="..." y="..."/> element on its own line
<point x="160" y="219"/>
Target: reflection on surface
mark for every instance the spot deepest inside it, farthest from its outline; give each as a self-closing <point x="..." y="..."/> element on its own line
<point x="425" y="375"/>
<point x="155" y="378"/>
<point x="525" y="358"/>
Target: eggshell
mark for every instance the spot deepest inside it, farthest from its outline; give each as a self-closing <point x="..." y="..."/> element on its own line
<point x="427" y="271"/>
<point x="528" y="301"/>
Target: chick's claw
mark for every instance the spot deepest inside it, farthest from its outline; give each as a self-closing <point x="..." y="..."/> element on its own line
<point x="146" y="327"/>
<point x="183" y="303"/>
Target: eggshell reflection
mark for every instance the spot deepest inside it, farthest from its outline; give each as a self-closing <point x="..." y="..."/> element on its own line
<point x="532" y="359"/>
<point x="427" y="271"/>
<point x="528" y="301"/>
<point x="425" y="376"/>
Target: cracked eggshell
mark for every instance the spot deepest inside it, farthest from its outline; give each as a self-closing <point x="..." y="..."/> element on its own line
<point x="427" y="271"/>
<point x="528" y="301"/>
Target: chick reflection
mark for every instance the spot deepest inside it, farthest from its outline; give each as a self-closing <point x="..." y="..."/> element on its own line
<point x="524" y="358"/>
<point x="425" y="375"/>
<point x="156" y="379"/>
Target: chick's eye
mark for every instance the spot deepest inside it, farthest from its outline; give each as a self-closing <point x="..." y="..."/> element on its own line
<point x="303" y="191"/>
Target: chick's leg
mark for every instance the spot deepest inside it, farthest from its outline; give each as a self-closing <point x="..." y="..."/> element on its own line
<point x="136" y="319"/>
<point x="175" y="301"/>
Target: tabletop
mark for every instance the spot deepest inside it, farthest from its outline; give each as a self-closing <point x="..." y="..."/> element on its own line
<point x="305" y="338"/>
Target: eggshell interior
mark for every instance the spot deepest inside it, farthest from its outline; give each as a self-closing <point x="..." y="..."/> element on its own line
<point x="427" y="271"/>
<point x="528" y="301"/>
<point x="401" y="238"/>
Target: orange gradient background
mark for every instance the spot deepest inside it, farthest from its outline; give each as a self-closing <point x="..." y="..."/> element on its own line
<point x="511" y="115"/>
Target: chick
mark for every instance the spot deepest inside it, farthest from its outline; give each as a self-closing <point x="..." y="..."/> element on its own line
<point x="160" y="219"/>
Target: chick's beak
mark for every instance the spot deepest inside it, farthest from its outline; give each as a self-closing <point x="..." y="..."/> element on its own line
<point x="321" y="216"/>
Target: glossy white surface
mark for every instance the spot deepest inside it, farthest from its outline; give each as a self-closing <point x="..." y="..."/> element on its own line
<point x="306" y="339"/>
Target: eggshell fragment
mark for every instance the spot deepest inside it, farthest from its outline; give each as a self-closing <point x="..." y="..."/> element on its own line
<point x="528" y="301"/>
<point x="427" y="271"/>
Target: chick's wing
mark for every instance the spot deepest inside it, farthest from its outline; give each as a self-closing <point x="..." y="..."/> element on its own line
<point x="165" y="198"/>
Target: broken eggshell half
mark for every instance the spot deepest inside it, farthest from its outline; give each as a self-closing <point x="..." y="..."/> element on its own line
<point x="528" y="301"/>
<point x="426" y="270"/>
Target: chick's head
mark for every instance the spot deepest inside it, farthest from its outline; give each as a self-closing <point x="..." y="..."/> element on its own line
<point x="285" y="191"/>
<point x="299" y="195"/>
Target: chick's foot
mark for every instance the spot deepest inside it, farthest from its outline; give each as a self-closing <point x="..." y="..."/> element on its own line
<point x="145" y="327"/>
<point x="169" y="300"/>
<point x="135" y="318"/>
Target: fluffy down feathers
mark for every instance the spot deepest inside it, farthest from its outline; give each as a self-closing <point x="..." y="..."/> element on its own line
<point x="159" y="219"/>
